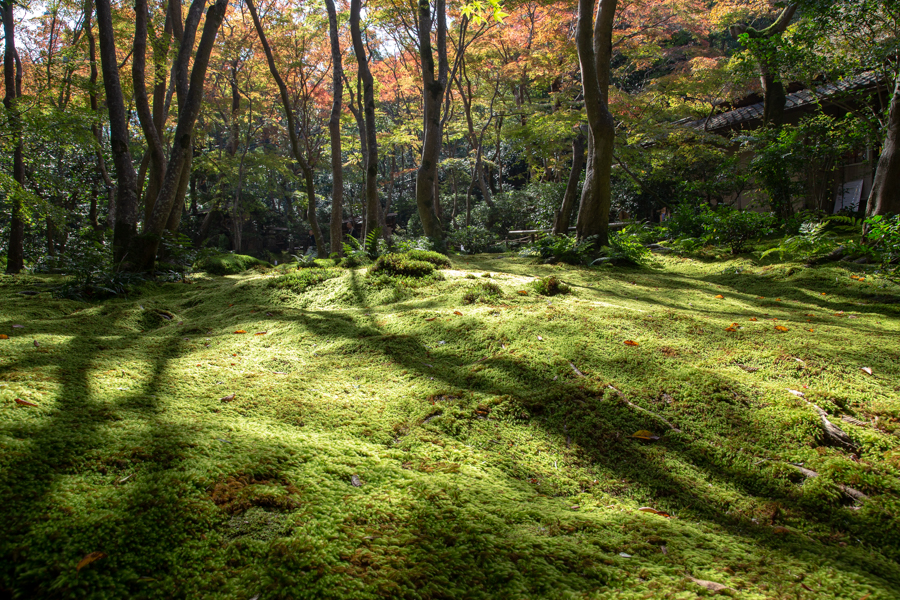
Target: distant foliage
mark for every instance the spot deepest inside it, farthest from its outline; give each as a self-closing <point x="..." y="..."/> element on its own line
<point x="816" y="237"/>
<point x="474" y="240"/>
<point x="562" y="248"/>
<point x="734" y="228"/>
<point x="882" y="242"/>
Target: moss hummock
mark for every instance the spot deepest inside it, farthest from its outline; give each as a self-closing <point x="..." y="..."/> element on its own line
<point x="333" y="438"/>
<point x="230" y="264"/>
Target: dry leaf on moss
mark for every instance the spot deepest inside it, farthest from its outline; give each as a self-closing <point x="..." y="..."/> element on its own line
<point x="25" y="402"/>
<point x="781" y="328"/>
<point x="240" y="331"/>
<point x="93" y="556"/>
<point x="631" y="343"/>
<point x="653" y="511"/>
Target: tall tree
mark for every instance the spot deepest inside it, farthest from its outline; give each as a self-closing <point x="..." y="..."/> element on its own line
<point x="434" y="86"/>
<point x="765" y="51"/>
<point x="302" y="162"/>
<point x="373" y="205"/>
<point x="594" y="43"/>
<point x="334" y="132"/>
<point x="12" y="82"/>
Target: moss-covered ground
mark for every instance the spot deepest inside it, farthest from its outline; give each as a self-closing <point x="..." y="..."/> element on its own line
<point x="442" y="440"/>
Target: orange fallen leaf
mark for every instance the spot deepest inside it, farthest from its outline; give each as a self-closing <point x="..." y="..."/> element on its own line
<point x="93" y="556"/>
<point x="781" y="328"/>
<point x="261" y="333"/>
<point x="631" y="343"/>
<point x="3" y="336"/>
<point x="643" y="434"/>
<point x="824" y="293"/>
<point x="227" y="398"/>
<point x="753" y="318"/>
<point x="653" y="511"/>
<point x="240" y="331"/>
<point x="25" y="402"/>
<point x="854" y="277"/>
<point x="720" y="296"/>
<point x="777" y="299"/>
<point x="456" y="312"/>
<point x="861" y="279"/>
<point x="525" y="292"/>
<point x="730" y="329"/>
<point x="810" y="330"/>
<point x="760" y="297"/>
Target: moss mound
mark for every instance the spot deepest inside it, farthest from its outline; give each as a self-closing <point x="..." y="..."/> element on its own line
<point x="437" y="259"/>
<point x="402" y="265"/>
<point x="300" y="280"/>
<point x="230" y="264"/>
<point x="550" y="286"/>
<point x="486" y="291"/>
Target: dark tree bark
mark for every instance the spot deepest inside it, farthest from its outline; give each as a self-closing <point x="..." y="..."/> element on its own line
<point x="434" y="86"/>
<point x="12" y="82"/>
<point x="95" y="110"/>
<point x="563" y="215"/>
<point x="189" y="109"/>
<point x="594" y="43"/>
<point x="126" y="213"/>
<point x="773" y="89"/>
<point x="304" y="164"/>
<point x="334" y="132"/>
<point x="885" y="195"/>
<point x="373" y="208"/>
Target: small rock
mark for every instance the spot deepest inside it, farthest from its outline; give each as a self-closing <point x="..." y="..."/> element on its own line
<point x="355" y="481"/>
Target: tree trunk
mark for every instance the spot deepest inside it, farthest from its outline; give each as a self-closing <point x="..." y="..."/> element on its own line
<point x="561" y="223"/>
<point x="435" y="84"/>
<point x="12" y="77"/>
<point x="126" y="206"/>
<point x="885" y="195"/>
<point x="372" y="203"/>
<point x="182" y="141"/>
<point x="594" y="43"/>
<point x="334" y="132"/>
<point x="305" y="167"/>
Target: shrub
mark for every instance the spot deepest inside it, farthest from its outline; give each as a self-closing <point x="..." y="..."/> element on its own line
<point x="436" y="258"/>
<point x="474" y="240"/>
<point x="734" y="228"/>
<point x="229" y="264"/>
<point x="815" y="238"/>
<point x="563" y="248"/>
<point x="549" y="286"/>
<point x="624" y="246"/>
<point x="402" y="265"/>
<point x="486" y="291"/>
<point x="301" y="280"/>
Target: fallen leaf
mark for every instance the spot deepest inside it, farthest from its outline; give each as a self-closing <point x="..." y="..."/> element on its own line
<point x="854" y="277"/>
<point x="25" y="402"/>
<point x="760" y="297"/>
<point x="720" y="296"/>
<point x="866" y="370"/>
<point x="456" y="312"/>
<point x="240" y="331"/>
<point x="93" y="556"/>
<point x="777" y="299"/>
<point x="227" y="398"/>
<point x="36" y="344"/>
<point x="753" y="319"/>
<point x="806" y="587"/>
<point x="575" y="507"/>
<point x="810" y="330"/>
<point x="355" y="482"/>
<point x="824" y="293"/>
<point x="261" y="333"/>
<point x="643" y="434"/>
<point x="735" y="325"/>
<point x="631" y="343"/>
<point x="647" y="509"/>
<point x="710" y="585"/>
<point x="540" y="339"/>
<point x="797" y="393"/>
<point x="730" y="329"/>
<point x="523" y="292"/>
<point x="861" y="279"/>
<point x="431" y="319"/>
<point x="781" y="530"/>
<point x="781" y="328"/>
<point x="3" y="336"/>
<point x="623" y="555"/>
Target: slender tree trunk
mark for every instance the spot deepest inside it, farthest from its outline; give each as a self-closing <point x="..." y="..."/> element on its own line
<point x="435" y="84"/>
<point x="594" y="43"/>
<point x="885" y="195"/>
<point x="372" y="203"/>
<point x="303" y="163"/>
<point x="126" y="211"/>
<point x="561" y="223"/>
<point x="15" y="258"/>
<point x="334" y="132"/>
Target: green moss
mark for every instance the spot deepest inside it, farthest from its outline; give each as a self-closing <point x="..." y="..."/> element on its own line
<point x="437" y="259"/>
<point x="300" y="280"/>
<point x="549" y="286"/>
<point x="403" y="265"/>
<point x="230" y="264"/>
<point x="392" y="441"/>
